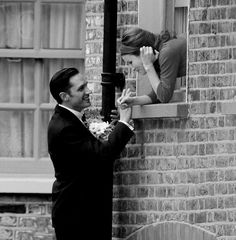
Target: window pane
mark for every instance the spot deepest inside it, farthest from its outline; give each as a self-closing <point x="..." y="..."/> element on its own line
<point x="17" y="25"/>
<point x="181" y="14"/>
<point x="62" y="25"/>
<point x="46" y="116"/>
<point x="16" y="135"/>
<point x="50" y="67"/>
<point x="16" y="80"/>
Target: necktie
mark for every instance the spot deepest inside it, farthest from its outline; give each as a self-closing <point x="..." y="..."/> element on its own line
<point x="84" y="121"/>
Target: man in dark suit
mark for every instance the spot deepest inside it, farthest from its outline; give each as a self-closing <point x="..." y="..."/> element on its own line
<point x="81" y="161"/>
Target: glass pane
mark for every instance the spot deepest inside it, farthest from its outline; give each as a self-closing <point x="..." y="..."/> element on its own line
<point x="50" y="67"/>
<point x="17" y="24"/>
<point x="62" y="25"/>
<point x="46" y="116"/>
<point x="16" y="135"/>
<point x="181" y="14"/>
<point x="16" y="80"/>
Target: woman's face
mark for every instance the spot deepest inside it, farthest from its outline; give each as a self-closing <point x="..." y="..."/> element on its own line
<point x="135" y="62"/>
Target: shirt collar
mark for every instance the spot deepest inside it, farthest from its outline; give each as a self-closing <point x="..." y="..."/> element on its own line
<point x="76" y="113"/>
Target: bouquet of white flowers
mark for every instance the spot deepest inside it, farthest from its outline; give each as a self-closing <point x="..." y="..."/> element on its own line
<point x="101" y="129"/>
<point x="97" y="126"/>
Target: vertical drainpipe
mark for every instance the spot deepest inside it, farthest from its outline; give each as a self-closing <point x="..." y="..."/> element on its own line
<point x="109" y="58"/>
<point x="108" y="83"/>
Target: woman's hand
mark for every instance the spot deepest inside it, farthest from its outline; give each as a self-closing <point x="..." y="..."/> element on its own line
<point x="147" y="56"/>
<point x="125" y="100"/>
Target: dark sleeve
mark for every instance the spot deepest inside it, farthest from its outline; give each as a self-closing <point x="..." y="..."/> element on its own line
<point x="88" y="145"/>
<point x="169" y="64"/>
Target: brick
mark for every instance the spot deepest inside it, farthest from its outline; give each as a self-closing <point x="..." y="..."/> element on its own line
<point x="8" y="220"/>
<point x="224" y="27"/>
<point x="193" y="3"/>
<point x="192" y="204"/>
<point x="6" y="233"/>
<point x="151" y="205"/>
<point x="141" y="218"/>
<point x="133" y="6"/>
<point x="94" y="8"/>
<point x="230" y="202"/>
<point x="210" y="203"/>
<point x="204" y="28"/>
<point x="142" y="192"/>
<point x="204" y="3"/>
<point x="203" y="55"/>
<point x="194" y="69"/>
<point x="12" y="208"/>
<point x="37" y="209"/>
<point x="193" y="28"/>
<point x="213" y="41"/>
<point x="203" y="68"/>
<point x="214" y="28"/>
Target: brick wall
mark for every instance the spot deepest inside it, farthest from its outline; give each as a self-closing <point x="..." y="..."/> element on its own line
<point x="185" y="169"/>
<point x="25" y="217"/>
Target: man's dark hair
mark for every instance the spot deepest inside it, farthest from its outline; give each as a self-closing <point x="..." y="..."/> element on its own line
<point x="60" y="82"/>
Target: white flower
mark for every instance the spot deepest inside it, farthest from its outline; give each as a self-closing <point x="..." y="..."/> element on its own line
<point x="96" y="125"/>
<point x="100" y="129"/>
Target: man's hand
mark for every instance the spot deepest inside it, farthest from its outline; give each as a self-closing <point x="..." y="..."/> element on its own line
<point x="125" y="114"/>
<point x="115" y="116"/>
<point x="125" y="100"/>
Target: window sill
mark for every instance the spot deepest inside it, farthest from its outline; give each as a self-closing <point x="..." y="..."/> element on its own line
<point x="165" y="110"/>
<point x="26" y="184"/>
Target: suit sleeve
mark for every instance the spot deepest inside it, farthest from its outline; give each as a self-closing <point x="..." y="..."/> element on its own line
<point x="88" y="145"/>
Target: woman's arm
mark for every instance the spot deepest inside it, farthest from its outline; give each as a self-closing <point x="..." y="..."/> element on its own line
<point x="169" y="63"/>
<point x="142" y="100"/>
<point x="148" y="58"/>
<point x="127" y="100"/>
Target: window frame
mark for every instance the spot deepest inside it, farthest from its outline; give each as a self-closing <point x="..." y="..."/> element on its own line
<point x="164" y="7"/>
<point x="35" y="175"/>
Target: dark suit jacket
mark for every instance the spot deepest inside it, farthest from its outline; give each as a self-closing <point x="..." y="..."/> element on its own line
<point x="81" y="164"/>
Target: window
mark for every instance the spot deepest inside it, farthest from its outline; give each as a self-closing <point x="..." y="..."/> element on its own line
<point x="37" y="38"/>
<point x="176" y="16"/>
<point x="176" y="13"/>
<point x="156" y="16"/>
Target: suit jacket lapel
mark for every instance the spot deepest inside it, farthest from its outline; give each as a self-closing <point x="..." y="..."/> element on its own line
<point x="71" y="117"/>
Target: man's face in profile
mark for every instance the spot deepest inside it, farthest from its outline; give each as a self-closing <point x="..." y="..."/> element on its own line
<point x="79" y="93"/>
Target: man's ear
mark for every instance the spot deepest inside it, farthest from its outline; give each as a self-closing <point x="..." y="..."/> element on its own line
<point x="64" y="96"/>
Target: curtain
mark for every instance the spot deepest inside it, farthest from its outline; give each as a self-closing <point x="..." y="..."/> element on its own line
<point x="17" y="86"/>
<point x="17" y="20"/>
<point x="60" y="29"/>
<point x="181" y="20"/>
<point x="181" y="14"/>
<point x="61" y="26"/>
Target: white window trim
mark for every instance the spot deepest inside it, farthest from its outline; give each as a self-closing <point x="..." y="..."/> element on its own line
<point x="24" y="184"/>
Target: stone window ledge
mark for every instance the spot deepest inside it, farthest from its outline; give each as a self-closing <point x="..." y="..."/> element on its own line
<point x="23" y="184"/>
<point x="165" y="110"/>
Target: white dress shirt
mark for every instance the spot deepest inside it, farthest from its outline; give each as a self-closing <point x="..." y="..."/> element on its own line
<point x="80" y="114"/>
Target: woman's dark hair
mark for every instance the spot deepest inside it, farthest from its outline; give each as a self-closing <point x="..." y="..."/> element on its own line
<point x="60" y="82"/>
<point x="135" y="38"/>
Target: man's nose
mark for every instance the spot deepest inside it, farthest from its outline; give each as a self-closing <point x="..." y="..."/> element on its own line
<point x="88" y="91"/>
